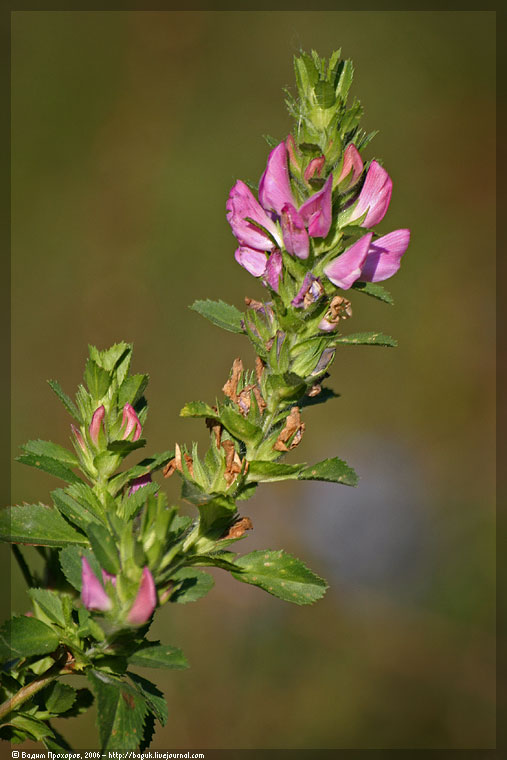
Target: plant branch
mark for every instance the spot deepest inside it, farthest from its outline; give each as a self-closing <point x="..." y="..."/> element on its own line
<point x="28" y="691"/>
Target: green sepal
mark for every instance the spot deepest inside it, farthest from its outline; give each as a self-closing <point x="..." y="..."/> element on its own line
<point x="280" y="574"/>
<point x="366" y="339"/>
<point x="152" y="654"/>
<point x="37" y="524"/>
<point x="25" y="636"/>
<point x="332" y="470"/>
<point x="221" y="314"/>
<point x="103" y="544"/>
<point x="132" y="389"/>
<point x="239" y="427"/>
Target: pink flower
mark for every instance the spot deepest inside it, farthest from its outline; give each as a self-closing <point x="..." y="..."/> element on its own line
<point x="314" y="167"/>
<point x="95" y="424"/>
<point x="92" y="592"/>
<point x="369" y="261"/>
<point x="374" y="197"/>
<point x="131" y="420"/>
<point x="352" y="167"/>
<point x="145" y="601"/>
<point x="139" y="482"/>
<point x="79" y="438"/>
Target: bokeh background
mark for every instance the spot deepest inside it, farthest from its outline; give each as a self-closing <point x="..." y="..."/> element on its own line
<point x="129" y="129"/>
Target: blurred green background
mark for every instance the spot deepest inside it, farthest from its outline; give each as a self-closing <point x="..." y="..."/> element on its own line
<point x="129" y="128"/>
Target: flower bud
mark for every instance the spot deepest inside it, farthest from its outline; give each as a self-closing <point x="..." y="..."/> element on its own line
<point x="352" y="167"/>
<point x="79" y="438"/>
<point x="131" y="420"/>
<point x="292" y="149"/>
<point x="92" y="593"/>
<point x="138" y="483"/>
<point x="145" y="601"/>
<point x="315" y="167"/>
<point x="97" y="420"/>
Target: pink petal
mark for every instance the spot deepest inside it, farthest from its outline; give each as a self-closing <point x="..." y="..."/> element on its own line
<point x="295" y="237"/>
<point x="95" y="424"/>
<point x="274" y="186"/>
<point x="145" y="601"/>
<point x="375" y="196"/>
<point x="253" y="261"/>
<point x="139" y="482"/>
<point x="131" y="420"/>
<point x="384" y="256"/>
<point x="241" y="204"/>
<point x="316" y="211"/>
<point x="347" y="267"/>
<point x="274" y="270"/>
<point x="352" y="166"/>
<point x="314" y="167"/>
<point x="92" y="593"/>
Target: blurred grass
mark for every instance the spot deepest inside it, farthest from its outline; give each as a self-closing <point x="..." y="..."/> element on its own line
<point x="128" y="131"/>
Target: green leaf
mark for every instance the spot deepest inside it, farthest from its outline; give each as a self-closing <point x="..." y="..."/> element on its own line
<point x="269" y="472"/>
<point x="132" y="389"/>
<point x="153" y="697"/>
<point x="37" y="524"/>
<point x="374" y="290"/>
<point x="34" y="729"/>
<point x="50" y="604"/>
<point x="59" y="697"/>
<point x="324" y="94"/>
<point x="190" y="585"/>
<point x="72" y="510"/>
<point x="367" y="339"/>
<point x="70" y="561"/>
<point x="216" y="516"/>
<point x="66" y="401"/>
<point x="156" y="655"/>
<point x="104" y="547"/>
<point x="238" y="426"/>
<point x="221" y="314"/>
<point x="25" y="636"/>
<point x="51" y="451"/>
<point x="52" y="466"/>
<point x="198" y="409"/>
<point x="331" y="470"/>
<point x="56" y="743"/>
<point x="280" y="574"/>
<point x="97" y="379"/>
<point x="120" y="711"/>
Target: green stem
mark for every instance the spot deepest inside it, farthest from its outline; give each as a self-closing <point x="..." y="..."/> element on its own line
<point x="26" y="692"/>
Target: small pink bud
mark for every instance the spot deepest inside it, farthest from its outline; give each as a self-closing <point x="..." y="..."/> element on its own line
<point x="131" y="420"/>
<point x="314" y="167"/>
<point x="97" y="419"/>
<point x="79" y="438"/>
<point x="92" y="593"/>
<point x="138" y="483"/>
<point x="108" y="577"/>
<point x="291" y="146"/>
<point x="145" y="601"/>
<point x="352" y="166"/>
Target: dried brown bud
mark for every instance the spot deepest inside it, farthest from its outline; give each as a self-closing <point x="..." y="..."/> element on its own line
<point x="233" y="464"/>
<point x="175" y="464"/>
<point x="239" y="528"/>
<point x="259" y="368"/>
<point x="314" y="390"/>
<point x="231" y="386"/>
<point x="292" y="431"/>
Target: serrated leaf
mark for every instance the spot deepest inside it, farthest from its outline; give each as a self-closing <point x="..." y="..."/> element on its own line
<point x="37" y="524"/>
<point x="59" y="697"/>
<point x="66" y="401"/>
<point x="25" y="636"/>
<point x="155" y="655"/>
<point x="97" y="379"/>
<point x="374" y="290"/>
<point x="71" y="562"/>
<point x="50" y="604"/>
<point x="221" y="314"/>
<point x="190" y="585"/>
<point x="32" y="727"/>
<point x="332" y="470"/>
<point x="269" y="472"/>
<point x="198" y="409"/>
<point x="153" y="697"/>
<point x="104" y="547"/>
<point x="72" y="510"/>
<point x="120" y="711"/>
<point x="132" y="389"/>
<point x="366" y="339"/>
<point x="51" y="466"/>
<point x="51" y="450"/>
<point x="280" y="574"/>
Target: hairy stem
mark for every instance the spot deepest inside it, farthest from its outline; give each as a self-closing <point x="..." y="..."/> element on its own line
<point x="26" y="692"/>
